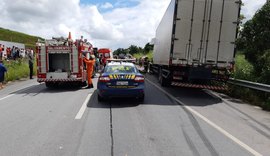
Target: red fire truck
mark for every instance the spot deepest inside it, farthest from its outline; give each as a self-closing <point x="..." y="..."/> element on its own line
<point x="60" y="60"/>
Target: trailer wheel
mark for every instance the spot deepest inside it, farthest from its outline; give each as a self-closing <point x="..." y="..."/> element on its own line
<point x="151" y="70"/>
<point x="163" y="81"/>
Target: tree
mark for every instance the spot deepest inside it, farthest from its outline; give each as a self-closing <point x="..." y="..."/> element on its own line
<point x="255" y="38"/>
<point x="120" y="51"/>
<point x="148" y="47"/>
<point x="133" y="49"/>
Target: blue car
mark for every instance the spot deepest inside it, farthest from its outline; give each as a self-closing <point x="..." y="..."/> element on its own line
<point x="120" y="79"/>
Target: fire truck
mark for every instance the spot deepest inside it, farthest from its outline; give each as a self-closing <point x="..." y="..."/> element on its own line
<point x="60" y="61"/>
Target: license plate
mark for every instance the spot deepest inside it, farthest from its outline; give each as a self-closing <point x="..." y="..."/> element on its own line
<point x="122" y="83"/>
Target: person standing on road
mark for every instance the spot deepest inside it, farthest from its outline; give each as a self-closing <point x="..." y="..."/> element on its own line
<point x="2" y="74"/>
<point x="146" y="64"/>
<point x="31" y="64"/>
<point x="90" y="69"/>
<point x="97" y="64"/>
<point x="1" y="52"/>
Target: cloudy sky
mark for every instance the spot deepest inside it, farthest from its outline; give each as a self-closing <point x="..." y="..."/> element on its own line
<point x="106" y="23"/>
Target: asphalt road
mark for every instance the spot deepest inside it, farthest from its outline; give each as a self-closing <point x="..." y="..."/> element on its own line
<point x="36" y="120"/>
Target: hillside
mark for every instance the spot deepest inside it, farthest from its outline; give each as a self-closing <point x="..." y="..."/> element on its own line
<point x="13" y="36"/>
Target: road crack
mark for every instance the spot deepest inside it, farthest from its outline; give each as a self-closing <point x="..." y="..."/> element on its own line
<point x="201" y="134"/>
<point x="111" y="131"/>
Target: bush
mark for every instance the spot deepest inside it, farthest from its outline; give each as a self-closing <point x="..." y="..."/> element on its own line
<point x="251" y="96"/>
<point x="266" y="105"/>
<point x="149" y="55"/>
<point x="17" y="69"/>
<point x="265" y="64"/>
<point x="255" y="39"/>
<point x="243" y="69"/>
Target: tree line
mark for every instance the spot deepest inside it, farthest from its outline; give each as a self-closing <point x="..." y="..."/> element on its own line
<point x="254" y="42"/>
<point x="133" y="49"/>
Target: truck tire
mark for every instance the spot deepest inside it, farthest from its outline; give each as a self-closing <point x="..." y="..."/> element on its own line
<point x="49" y="84"/>
<point x="151" y="70"/>
<point x="162" y="80"/>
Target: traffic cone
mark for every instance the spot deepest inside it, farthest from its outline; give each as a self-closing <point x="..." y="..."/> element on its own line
<point x="69" y="36"/>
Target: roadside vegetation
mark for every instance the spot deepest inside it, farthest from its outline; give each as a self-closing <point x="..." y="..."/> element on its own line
<point x="244" y="70"/>
<point x="148" y="54"/>
<point x="253" y="62"/>
<point x="17" y="69"/>
<point x="13" y="36"/>
<point x="137" y="52"/>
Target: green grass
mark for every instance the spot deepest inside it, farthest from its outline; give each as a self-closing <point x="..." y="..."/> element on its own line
<point x="149" y="55"/>
<point x="17" y="69"/>
<point x="13" y="36"/>
<point x="243" y="69"/>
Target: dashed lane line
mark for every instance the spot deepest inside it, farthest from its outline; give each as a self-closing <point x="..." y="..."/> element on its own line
<point x="224" y="132"/>
<point x="83" y="108"/>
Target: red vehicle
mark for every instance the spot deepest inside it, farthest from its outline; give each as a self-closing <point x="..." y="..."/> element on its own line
<point x="105" y="54"/>
<point x="60" y="60"/>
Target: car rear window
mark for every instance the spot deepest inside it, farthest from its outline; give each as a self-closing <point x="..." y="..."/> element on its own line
<point x="120" y="69"/>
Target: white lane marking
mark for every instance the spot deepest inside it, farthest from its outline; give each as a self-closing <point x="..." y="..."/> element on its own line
<point x="224" y="132"/>
<point x="83" y="108"/>
<point x="6" y="97"/>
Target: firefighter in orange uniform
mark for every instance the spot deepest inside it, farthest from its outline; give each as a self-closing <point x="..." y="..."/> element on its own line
<point x="90" y="68"/>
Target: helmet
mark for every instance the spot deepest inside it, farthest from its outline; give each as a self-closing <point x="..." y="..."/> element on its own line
<point x="92" y="57"/>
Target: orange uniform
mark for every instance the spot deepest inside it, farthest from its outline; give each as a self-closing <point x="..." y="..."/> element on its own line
<point x="90" y="68"/>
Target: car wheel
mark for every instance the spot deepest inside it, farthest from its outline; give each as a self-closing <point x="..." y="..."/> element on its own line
<point x="100" y="98"/>
<point x="141" y="98"/>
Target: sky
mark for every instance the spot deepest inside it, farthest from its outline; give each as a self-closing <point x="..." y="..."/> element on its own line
<point x="105" y="23"/>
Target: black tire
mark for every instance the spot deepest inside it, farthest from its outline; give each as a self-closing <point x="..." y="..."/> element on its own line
<point x="163" y="81"/>
<point x="141" y="99"/>
<point x="49" y="84"/>
<point x="100" y="99"/>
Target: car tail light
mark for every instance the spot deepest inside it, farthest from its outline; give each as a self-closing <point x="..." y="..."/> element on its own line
<point x="104" y="79"/>
<point x="139" y="79"/>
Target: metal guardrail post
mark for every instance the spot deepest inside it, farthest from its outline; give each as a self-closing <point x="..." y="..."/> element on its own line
<point x="251" y="85"/>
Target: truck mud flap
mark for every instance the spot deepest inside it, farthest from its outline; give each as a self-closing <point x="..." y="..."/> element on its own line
<point x="199" y="86"/>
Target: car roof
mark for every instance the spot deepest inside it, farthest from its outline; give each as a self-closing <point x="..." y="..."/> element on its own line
<point x="121" y="63"/>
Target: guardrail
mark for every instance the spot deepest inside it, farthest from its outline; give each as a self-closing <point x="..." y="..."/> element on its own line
<point x="251" y="85"/>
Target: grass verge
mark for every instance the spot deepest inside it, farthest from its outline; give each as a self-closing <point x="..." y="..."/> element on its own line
<point x="17" y="69"/>
<point x="149" y="55"/>
<point x="244" y="70"/>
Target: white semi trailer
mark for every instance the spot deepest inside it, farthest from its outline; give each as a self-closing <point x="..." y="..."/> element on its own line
<point x="195" y="42"/>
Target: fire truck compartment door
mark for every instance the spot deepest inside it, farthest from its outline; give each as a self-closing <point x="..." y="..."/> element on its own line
<point x="75" y="64"/>
<point x="43" y="62"/>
